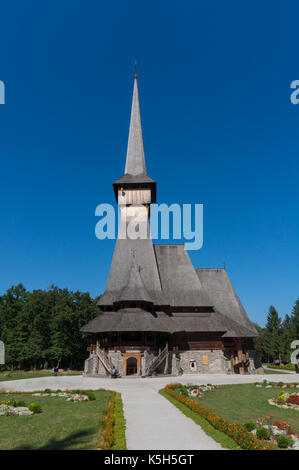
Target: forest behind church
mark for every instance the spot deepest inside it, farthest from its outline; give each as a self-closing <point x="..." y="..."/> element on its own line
<point x="41" y="329"/>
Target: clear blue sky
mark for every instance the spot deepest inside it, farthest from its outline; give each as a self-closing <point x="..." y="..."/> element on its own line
<point x="219" y="129"/>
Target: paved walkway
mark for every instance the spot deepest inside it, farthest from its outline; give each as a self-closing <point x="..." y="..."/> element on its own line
<point x="152" y="421"/>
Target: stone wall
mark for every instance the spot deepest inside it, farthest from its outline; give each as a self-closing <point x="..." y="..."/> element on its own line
<point x="117" y="360"/>
<point x="255" y="366"/>
<point x="179" y="362"/>
<point x="93" y="367"/>
<point x="201" y="362"/>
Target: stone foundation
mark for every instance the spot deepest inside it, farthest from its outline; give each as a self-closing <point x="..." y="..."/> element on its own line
<point x="179" y="362"/>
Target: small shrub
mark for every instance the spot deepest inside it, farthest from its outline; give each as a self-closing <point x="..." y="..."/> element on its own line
<point x="20" y="403"/>
<point x="91" y="396"/>
<point x="250" y="426"/>
<point x="281" y="399"/>
<point x="263" y="433"/>
<point x="47" y="390"/>
<point x="284" y="442"/>
<point x="35" y="408"/>
<point x="8" y="402"/>
<point x="183" y="391"/>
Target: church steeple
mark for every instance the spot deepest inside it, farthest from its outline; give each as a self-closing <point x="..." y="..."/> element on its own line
<point x="135" y="161"/>
<point x="135" y="176"/>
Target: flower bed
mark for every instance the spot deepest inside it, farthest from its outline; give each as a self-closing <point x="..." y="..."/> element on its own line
<point x="11" y="408"/>
<point x="275" y="431"/>
<point x="286" y="400"/>
<point x="75" y="396"/>
<point x="105" y="440"/>
<point x="198" y="390"/>
<point x="245" y="439"/>
<point x="267" y="384"/>
<point x="294" y="401"/>
<point x="7" y="410"/>
<point x="113" y="436"/>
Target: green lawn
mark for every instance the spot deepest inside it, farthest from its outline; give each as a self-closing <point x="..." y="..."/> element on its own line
<point x="225" y="441"/>
<point x="241" y="403"/>
<point x="61" y="425"/>
<point x="22" y="374"/>
<point x="268" y="372"/>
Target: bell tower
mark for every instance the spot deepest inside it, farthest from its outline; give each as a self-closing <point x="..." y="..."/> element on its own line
<point x="135" y="187"/>
<point x="134" y="273"/>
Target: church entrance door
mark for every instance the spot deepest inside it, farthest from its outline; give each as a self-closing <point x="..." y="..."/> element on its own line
<point x="131" y="364"/>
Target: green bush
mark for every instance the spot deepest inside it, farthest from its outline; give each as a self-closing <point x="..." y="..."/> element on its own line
<point x="35" y="408"/>
<point x="250" y="426"/>
<point x="20" y="403"/>
<point x="284" y="442"/>
<point x="263" y="433"/>
<point x="91" y="396"/>
<point x="281" y="399"/>
<point x="182" y="391"/>
<point x="47" y="390"/>
<point x="282" y="366"/>
<point x="8" y="402"/>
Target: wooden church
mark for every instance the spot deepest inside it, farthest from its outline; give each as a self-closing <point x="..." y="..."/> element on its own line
<point x="159" y="315"/>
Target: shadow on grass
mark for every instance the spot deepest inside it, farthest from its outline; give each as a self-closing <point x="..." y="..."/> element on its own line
<point x="70" y="441"/>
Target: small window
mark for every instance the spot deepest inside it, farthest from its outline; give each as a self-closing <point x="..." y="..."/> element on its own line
<point x="193" y="365"/>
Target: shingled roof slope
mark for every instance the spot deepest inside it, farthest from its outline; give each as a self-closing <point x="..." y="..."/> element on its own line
<point x="135" y="289"/>
<point x="224" y="297"/>
<point x="130" y="319"/>
<point x="119" y="276"/>
<point x="180" y="283"/>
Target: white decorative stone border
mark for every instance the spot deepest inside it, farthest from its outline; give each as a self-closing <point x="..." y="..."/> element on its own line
<point x="289" y="407"/>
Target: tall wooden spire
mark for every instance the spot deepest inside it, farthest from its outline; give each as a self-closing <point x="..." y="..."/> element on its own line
<point x="135" y="161"/>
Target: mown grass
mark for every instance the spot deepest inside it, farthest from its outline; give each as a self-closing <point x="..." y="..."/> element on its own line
<point x="62" y="425"/>
<point x="22" y="374"/>
<point x="119" y="428"/>
<point x="246" y="402"/>
<point x="225" y="441"/>
<point x="270" y="372"/>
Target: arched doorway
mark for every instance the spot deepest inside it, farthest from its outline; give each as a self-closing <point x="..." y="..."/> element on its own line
<point x="132" y="363"/>
<point x="132" y="366"/>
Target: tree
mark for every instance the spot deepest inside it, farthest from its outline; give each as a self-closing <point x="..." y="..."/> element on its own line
<point x="42" y="328"/>
<point x="273" y="345"/>
<point x="11" y="306"/>
<point x="295" y="319"/>
<point x="259" y="343"/>
<point x="288" y="334"/>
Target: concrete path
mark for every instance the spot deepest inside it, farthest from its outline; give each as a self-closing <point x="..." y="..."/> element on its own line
<point x="152" y="421"/>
